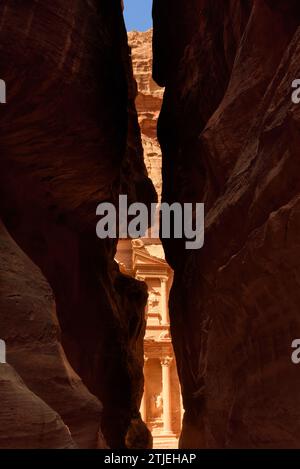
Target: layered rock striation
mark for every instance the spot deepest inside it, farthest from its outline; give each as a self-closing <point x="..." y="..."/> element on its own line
<point x="148" y="102"/>
<point x="70" y="139"/>
<point x="230" y="138"/>
<point x="32" y="423"/>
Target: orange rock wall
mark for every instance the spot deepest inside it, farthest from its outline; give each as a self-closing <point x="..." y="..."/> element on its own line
<point x="148" y="102"/>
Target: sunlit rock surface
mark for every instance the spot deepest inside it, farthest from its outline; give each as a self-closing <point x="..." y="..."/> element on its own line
<point x="148" y="102"/>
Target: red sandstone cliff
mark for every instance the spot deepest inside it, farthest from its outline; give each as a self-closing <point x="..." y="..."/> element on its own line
<point x="26" y="421"/>
<point x="69" y="140"/>
<point x="230" y="138"/>
<point x="148" y="102"/>
<point x="30" y="328"/>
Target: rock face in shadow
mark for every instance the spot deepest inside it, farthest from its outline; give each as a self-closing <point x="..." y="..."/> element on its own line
<point x="70" y="140"/>
<point x="31" y="332"/>
<point x="230" y="138"/>
<point x="26" y="421"/>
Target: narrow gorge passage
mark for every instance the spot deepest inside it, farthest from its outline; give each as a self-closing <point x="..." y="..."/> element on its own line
<point x="92" y="353"/>
<point x="161" y="407"/>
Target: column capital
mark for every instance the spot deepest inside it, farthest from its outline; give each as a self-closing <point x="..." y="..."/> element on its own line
<point x="166" y="361"/>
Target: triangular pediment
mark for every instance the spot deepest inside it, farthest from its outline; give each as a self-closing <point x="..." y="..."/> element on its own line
<point x="141" y="256"/>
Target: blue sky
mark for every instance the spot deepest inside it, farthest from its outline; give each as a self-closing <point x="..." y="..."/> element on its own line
<point x="138" y="15"/>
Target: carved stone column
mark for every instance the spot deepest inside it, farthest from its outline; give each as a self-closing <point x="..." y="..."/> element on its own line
<point x="164" y="302"/>
<point x="181" y="406"/>
<point x="166" y="393"/>
<point x="143" y="407"/>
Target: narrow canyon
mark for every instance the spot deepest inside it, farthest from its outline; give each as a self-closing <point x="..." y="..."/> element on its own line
<point x="74" y="133"/>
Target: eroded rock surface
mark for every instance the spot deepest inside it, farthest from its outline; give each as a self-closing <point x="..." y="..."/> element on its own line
<point x="26" y="421"/>
<point x="230" y="138"/>
<point x="31" y="332"/>
<point x="70" y="140"/>
<point x="148" y="102"/>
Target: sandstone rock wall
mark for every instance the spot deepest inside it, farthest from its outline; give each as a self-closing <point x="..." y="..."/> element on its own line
<point x="148" y="102"/>
<point x="30" y="329"/>
<point x="230" y="138"/>
<point x="70" y="140"/>
<point x="31" y="422"/>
